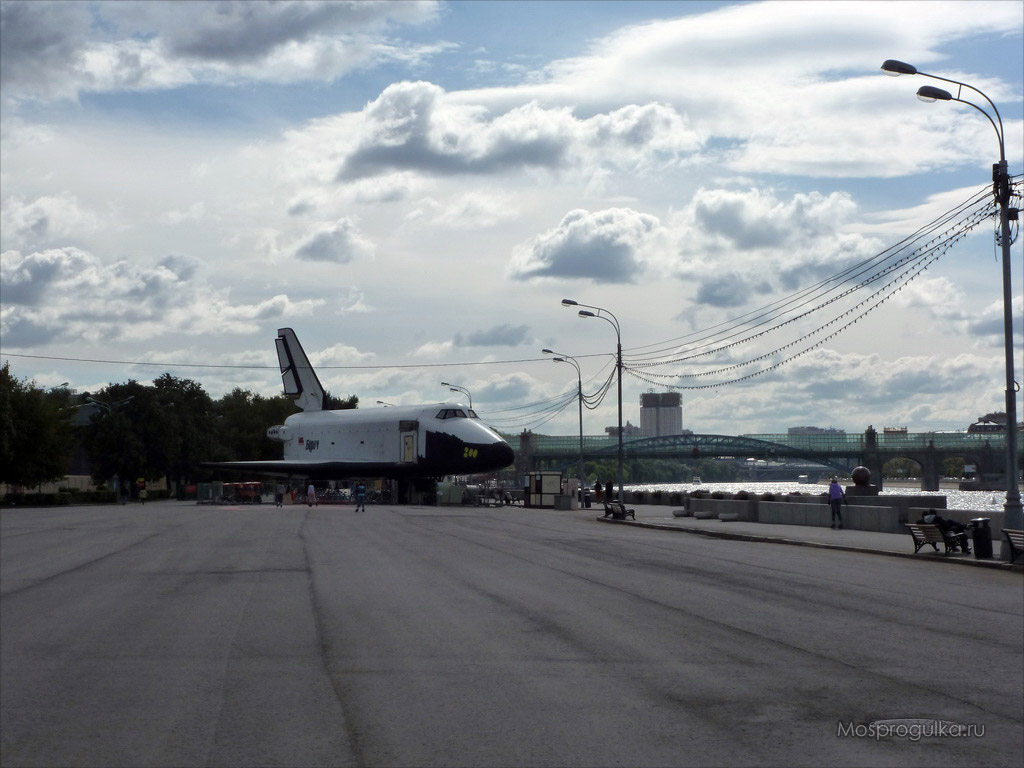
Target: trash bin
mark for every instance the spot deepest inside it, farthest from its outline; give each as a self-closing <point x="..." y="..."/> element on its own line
<point x="982" y="537"/>
<point x="586" y="501"/>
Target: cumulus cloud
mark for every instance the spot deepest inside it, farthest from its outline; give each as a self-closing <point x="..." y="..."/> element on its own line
<point x="412" y="126"/>
<point x="42" y="46"/>
<point x="58" y="49"/>
<point x="608" y="246"/>
<point x="339" y="243"/>
<point x="239" y="30"/>
<point x="31" y="224"/>
<point x="68" y="293"/>
<point x="722" y="232"/>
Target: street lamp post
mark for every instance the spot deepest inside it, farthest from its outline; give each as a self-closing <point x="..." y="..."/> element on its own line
<point x="1001" y="188"/>
<point x="457" y="388"/>
<point x="562" y="358"/>
<point x="604" y="314"/>
<point x="108" y="408"/>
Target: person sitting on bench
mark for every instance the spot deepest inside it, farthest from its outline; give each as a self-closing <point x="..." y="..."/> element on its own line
<point x="956" y="531"/>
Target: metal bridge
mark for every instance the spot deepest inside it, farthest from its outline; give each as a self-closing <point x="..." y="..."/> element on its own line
<point x="987" y="451"/>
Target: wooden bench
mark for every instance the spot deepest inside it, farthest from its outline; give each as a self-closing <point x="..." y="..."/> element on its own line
<point x="618" y="511"/>
<point x="932" y="534"/>
<point x="1016" y="541"/>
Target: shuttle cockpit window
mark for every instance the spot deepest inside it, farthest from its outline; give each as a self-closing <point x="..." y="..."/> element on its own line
<point x="472" y="414"/>
<point x="453" y="413"/>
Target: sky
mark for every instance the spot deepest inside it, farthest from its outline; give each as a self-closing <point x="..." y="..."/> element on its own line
<point x="415" y="186"/>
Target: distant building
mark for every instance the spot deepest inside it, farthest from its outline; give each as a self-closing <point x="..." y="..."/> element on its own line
<point x="629" y="431"/>
<point x="894" y="430"/>
<point x="661" y="413"/>
<point x="815" y="431"/>
<point x="987" y="426"/>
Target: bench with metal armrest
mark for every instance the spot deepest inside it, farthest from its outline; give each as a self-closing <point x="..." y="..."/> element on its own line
<point x="1016" y="541"/>
<point x="617" y="511"/>
<point x="923" y="533"/>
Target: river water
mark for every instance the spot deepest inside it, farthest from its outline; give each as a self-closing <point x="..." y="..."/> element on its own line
<point x="979" y="501"/>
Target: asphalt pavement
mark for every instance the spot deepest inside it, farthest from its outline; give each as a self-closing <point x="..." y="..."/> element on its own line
<point x="184" y="635"/>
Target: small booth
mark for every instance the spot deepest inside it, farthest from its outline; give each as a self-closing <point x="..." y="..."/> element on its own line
<point x="542" y="488"/>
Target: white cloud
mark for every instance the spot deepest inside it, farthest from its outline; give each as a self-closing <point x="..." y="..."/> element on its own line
<point x="51" y="50"/>
<point x="193" y="213"/>
<point x="413" y="126"/>
<point x="472" y="211"/>
<point x="609" y="246"/>
<point x="340" y="243"/>
<point x="434" y="349"/>
<point x="44" y="220"/>
<point x="68" y="293"/>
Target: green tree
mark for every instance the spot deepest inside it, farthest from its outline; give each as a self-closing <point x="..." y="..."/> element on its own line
<point x="124" y="436"/>
<point x="35" y="432"/>
<point x="953" y="467"/>
<point x="241" y="420"/>
<point x="897" y="468"/>
<point x="187" y="418"/>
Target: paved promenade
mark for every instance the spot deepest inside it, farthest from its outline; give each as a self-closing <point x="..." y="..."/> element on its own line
<point x="897" y="545"/>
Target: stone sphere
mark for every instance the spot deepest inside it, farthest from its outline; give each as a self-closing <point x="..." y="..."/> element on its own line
<point x="861" y="476"/>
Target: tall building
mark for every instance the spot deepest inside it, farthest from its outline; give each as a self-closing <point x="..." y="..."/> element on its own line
<point x="661" y="413"/>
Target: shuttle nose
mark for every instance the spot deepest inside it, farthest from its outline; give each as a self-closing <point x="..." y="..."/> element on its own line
<point x="498" y="455"/>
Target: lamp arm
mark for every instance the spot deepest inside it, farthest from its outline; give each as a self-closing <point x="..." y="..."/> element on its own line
<point x="960" y="87"/>
<point x="998" y="129"/>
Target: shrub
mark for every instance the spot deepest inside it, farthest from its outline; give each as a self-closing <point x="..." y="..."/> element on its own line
<point x="769" y="496"/>
<point x="742" y="496"/>
<point x="675" y="498"/>
<point x="717" y="495"/>
<point x="698" y="494"/>
<point x="638" y="497"/>
<point x="656" y="496"/>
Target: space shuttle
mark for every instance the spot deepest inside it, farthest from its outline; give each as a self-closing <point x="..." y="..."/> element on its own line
<point x="409" y="441"/>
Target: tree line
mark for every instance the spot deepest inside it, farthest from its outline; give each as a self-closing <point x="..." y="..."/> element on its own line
<point x="133" y="430"/>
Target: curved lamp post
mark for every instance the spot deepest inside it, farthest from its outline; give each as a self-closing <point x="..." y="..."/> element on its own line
<point x="108" y="408"/>
<point x="562" y="358"/>
<point x="607" y="316"/>
<point x="457" y="388"/>
<point x="1001" y="189"/>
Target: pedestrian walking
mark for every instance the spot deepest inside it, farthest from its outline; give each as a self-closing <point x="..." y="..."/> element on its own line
<point x="360" y="497"/>
<point x="279" y="494"/>
<point x="836" y="497"/>
<point x="311" y="496"/>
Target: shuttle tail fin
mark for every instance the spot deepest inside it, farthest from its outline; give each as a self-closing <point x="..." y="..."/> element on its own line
<point x="300" y="380"/>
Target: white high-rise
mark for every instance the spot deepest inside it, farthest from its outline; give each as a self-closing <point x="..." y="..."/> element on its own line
<point x="661" y="413"/>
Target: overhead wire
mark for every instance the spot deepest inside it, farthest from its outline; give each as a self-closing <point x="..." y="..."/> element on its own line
<point x="803" y="297"/>
<point x="924" y="258"/>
